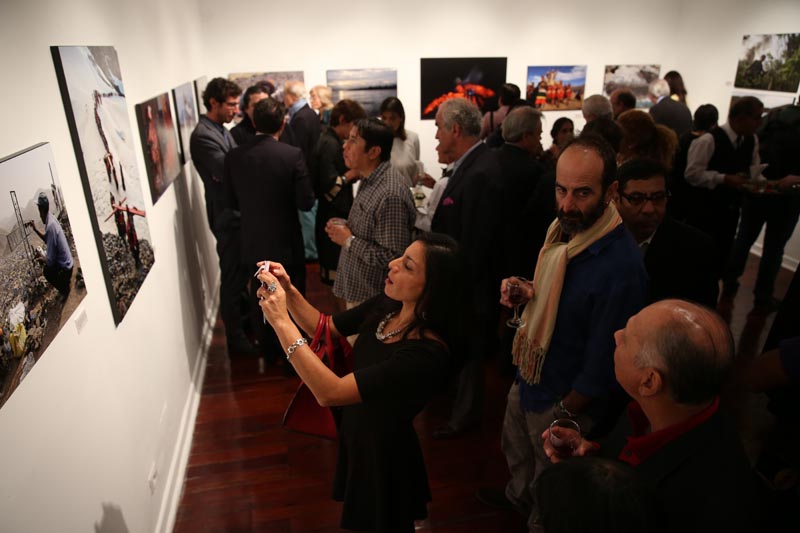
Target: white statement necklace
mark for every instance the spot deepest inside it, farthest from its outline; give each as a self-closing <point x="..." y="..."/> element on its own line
<point x="381" y="336"/>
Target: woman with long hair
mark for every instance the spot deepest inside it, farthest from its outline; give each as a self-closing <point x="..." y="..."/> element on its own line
<point x="404" y="355"/>
<point x="643" y="138"/>
<point x="405" y="149"/>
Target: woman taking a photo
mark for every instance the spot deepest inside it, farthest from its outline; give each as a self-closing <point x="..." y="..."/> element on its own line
<point x="400" y="360"/>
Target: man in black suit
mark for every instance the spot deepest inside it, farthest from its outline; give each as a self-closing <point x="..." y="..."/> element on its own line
<point x="303" y="131"/>
<point x="666" y="111"/>
<point x="520" y="178"/>
<point x="267" y="181"/>
<point x="468" y="211"/>
<point x="209" y="143"/>
<point x="677" y="257"/>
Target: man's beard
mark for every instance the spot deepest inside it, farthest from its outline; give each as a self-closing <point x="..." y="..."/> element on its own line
<point x="574" y="222"/>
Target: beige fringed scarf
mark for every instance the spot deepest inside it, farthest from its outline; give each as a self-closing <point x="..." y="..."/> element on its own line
<point x="532" y="341"/>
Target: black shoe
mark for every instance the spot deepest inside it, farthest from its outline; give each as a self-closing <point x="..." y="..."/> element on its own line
<point x="730" y="288"/>
<point x="447" y="432"/>
<point x="239" y="345"/>
<point x="767" y="305"/>
<point x="496" y="498"/>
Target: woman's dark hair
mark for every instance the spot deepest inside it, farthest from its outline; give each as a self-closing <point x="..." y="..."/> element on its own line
<point x="610" y="497"/>
<point x="557" y="125"/>
<point x="439" y="308"/>
<point x="347" y="111"/>
<point x="675" y="82"/>
<point x="705" y="117"/>
<point x="508" y="94"/>
<point x="606" y="128"/>
<point x="394" y="105"/>
<point x="258" y="88"/>
<point x="376" y="133"/>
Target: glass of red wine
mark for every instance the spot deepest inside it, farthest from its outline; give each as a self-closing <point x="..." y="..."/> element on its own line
<point x="565" y="436"/>
<point x="517" y="296"/>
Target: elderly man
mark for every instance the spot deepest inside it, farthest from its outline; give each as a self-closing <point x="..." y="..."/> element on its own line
<point x="677" y="257"/>
<point x="209" y="143"/>
<point x="668" y="112"/>
<point x="267" y="181"/>
<point x="469" y="211"/>
<point x="381" y="219"/>
<point x="597" y="106"/>
<point x="622" y="100"/>
<point x="718" y="165"/>
<point x="58" y="262"/>
<point x="528" y="205"/>
<point x="303" y="131"/>
<point x="672" y="359"/>
<point x="589" y="280"/>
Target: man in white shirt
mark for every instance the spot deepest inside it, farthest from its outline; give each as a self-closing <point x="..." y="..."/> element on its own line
<point x="719" y="165"/>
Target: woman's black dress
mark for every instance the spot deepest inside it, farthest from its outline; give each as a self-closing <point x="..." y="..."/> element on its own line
<point x="380" y="472"/>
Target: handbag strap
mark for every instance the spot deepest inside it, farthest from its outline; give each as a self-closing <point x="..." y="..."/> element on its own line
<point x="321" y="330"/>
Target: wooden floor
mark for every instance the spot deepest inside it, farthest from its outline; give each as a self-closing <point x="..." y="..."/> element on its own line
<point x="246" y="474"/>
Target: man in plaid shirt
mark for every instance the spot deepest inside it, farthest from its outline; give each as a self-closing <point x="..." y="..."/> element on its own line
<point x="381" y="219"/>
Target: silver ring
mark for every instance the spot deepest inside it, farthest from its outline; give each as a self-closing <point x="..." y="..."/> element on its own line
<point x="272" y="286"/>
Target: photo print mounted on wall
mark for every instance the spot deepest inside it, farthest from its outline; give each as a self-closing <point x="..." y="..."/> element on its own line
<point x="93" y="94"/>
<point x="771" y="100"/>
<point x="637" y="78"/>
<point x="42" y="280"/>
<point x="556" y="88"/>
<point x="367" y="86"/>
<point x="159" y="143"/>
<point x="476" y="79"/>
<point x="186" y="115"/>
<point x="200" y="86"/>
<point x="769" y="63"/>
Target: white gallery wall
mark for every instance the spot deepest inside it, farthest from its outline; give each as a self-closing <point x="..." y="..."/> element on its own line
<point x="107" y="407"/>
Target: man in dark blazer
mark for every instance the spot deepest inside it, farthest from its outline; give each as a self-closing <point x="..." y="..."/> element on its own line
<point x="303" y="131"/>
<point x="678" y="258"/>
<point x="468" y="211"/>
<point x="673" y="358"/>
<point x="668" y="112"/>
<point x="209" y="143"/>
<point x="267" y="181"/>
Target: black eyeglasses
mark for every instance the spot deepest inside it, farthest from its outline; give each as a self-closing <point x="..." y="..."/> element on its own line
<point x="637" y="198"/>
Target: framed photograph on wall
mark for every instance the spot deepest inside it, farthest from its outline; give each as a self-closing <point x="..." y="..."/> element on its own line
<point x="476" y="79"/>
<point x="42" y="280"/>
<point x="93" y="94"/>
<point x="559" y="88"/>
<point x="186" y="115"/>
<point x="769" y="63"/>
<point x="637" y="78"/>
<point x="200" y="86"/>
<point x="159" y="143"/>
<point x="367" y="86"/>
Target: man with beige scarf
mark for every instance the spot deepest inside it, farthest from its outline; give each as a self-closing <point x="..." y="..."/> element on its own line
<point x="589" y="280"/>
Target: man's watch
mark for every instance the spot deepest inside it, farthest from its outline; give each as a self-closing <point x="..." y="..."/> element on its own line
<point x="349" y="242"/>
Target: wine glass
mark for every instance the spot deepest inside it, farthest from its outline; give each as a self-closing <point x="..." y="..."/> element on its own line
<point x="516" y="295"/>
<point x="565" y="436"/>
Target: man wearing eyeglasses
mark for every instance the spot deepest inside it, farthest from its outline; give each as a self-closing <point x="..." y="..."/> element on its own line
<point x="677" y="257"/>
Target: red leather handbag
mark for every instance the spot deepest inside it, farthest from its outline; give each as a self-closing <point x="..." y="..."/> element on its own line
<point x="304" y="414"/>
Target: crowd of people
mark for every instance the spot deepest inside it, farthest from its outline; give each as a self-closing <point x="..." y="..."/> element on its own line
<point x="616" y="238"/>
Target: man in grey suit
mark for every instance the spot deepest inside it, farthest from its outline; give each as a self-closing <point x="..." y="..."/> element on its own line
<point x="672" y="114"/>
<point x="209" y="143"/>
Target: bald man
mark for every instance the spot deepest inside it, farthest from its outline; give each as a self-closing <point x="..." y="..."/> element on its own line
<point x="672" y="359"/>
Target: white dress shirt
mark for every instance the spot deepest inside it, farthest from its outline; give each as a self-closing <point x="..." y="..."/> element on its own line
<point x="700" y="152"/>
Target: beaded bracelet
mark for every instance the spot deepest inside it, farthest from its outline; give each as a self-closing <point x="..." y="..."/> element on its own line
<point x="294" y="346"/>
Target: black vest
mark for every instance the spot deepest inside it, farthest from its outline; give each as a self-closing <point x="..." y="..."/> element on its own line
<point x="727" y="159"/>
